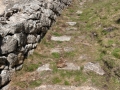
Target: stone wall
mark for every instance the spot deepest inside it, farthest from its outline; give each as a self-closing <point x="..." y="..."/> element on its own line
<point x="23" y="24"/>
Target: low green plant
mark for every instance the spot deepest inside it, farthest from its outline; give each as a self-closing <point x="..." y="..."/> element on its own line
<point x="116" y="53"/>
<point x="56" y="55"/>
<point x="56" y="80"/>
<point x="35" y="83"/>
<point x="56" y="34"/>
<point x="21" y="84"/>
<point x="69" y="54"/>
<point x="66" y="83"/>
<point x="30" y="67"/>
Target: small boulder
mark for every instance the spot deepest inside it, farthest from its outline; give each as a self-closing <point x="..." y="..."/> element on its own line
<point x="95" y="67"/>
<point x="9" y="45"/>
<point x="5" y="77"/>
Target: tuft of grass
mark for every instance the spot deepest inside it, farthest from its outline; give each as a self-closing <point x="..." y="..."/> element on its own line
<point x="21" y="84"/>
<point x="116" y="53"/>
<point x="69" y="54"/>
<point x="56" y="55"/>
<point x="57" y="34"/>
<point x="46" y="43"/>
<point x="30" y="67"/>
<point x="35" y="83"/>
<point x="66" y="83"/>
<point x="54" y="67"/>
<point x="56" y="80"/>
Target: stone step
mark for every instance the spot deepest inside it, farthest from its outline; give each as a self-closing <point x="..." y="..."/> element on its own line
<point x="61" y="38"/>
<point x="68" y="66"/>
<point x="60" y="87"/>
<point x="60" y="50"/>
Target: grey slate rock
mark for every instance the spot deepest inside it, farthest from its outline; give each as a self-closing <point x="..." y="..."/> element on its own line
<point x="20" y="59"/>
<point x="5" y="75"/>
<point x="12" y="29"/>
<point x="95" y="67"/>
<point x="21" y="38"/>
<point x="31" y="39"/>
<point x="12" y="58"/>
<point x="9" y="45"/>
<point x="19" y="67"/>
<point x="3" y="62"/>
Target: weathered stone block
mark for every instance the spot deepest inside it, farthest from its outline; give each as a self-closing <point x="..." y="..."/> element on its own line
<point x="12" y="59"/>
<point x="9" y="45"/>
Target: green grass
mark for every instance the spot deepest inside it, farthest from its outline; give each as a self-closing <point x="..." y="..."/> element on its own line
<point x="57" y="34"/>
<point x="30" y="67"/>
<point x="35" y="83"/>
<point x="116" y="53"/>
<point x="56" y="80"/>
<point x="21" y="84"/>
<point x="56" y="55"/>
<point x="69" y="54"/>
<point x="66" y="83"/>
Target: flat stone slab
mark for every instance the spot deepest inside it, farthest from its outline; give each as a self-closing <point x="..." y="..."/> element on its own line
<point x="79" y="12"/>
<point x="71" y="23"/>
<point x="61" y="87"/>
<point x="61" y="38"/>
<point x="44" y="68"/>
<point x="95" y="67"/>
<point x="84" y="57"/>
<point x="86" y="88"/>
<point x="59" y="49"/>
<point x="70" y="66"/>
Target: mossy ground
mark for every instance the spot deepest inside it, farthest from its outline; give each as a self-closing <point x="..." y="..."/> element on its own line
<point x="97" y="36"/>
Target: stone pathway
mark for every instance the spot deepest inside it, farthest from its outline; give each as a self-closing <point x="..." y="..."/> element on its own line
<point x="59" y="87"/>
<point x="70" y="65"/>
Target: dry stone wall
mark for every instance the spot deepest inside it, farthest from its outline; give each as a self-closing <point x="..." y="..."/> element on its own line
<point x="23" y="24"/>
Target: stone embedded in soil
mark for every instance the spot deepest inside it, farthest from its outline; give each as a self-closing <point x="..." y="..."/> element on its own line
<point x="79" y="12"/>
<point x="44" y="68"/>
<point x="95" y="67"/>
<point x="84" y="57"/>
<point x="71" y="23"/>
<point x="5" y="76"/>
<point x="61" y="87"/>
<point x="56" y="50"/>
<point x="60" y="50"/>
<point x="61" y="38"/>
<point x="86" y="88"/>
<point x="70" y="66"/>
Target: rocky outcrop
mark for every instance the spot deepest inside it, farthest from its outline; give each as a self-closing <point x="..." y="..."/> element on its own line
<point x="23" y="23"/>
